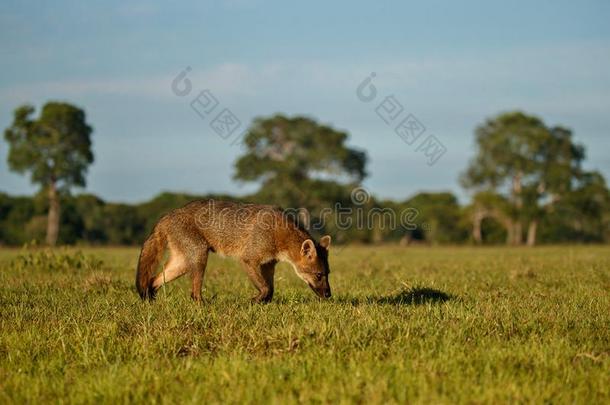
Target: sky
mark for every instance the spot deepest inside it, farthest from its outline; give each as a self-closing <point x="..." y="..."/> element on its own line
<point x="449" y="64"/>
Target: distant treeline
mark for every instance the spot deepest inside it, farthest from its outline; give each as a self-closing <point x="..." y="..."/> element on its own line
<point x="431" y="218"/>
<point x="526" y="181"/>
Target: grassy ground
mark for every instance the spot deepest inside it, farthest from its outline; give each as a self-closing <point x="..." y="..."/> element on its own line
<point x="417" y="325"/>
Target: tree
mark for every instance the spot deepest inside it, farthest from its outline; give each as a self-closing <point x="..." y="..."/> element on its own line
<point x="299" y="162"/>
<point x="55" y="148"/>
<point x="490" y="205"/>
<point x="527" y="163"/>
<point x="15" y="213"/>
<point x="439" y="217"/>
<point x="582" y="214"/>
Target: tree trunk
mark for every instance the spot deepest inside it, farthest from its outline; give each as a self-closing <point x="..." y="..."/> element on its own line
<point x="518" y="233"/>
<point x="518" y="202"/>
<point x="53" y="215"/>
<point x="476" y="228"/>
<point x="531" y="233"/>
<point x="510" y="231"/>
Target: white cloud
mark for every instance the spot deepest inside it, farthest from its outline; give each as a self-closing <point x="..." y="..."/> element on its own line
<point x="563" y="79"/>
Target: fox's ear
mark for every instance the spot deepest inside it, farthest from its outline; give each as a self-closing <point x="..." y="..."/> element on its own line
<point x="325" y="241"/>
<point x="308" y="249"/>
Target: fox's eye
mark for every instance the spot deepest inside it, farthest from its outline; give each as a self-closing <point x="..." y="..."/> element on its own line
<point x="319" y="276"/>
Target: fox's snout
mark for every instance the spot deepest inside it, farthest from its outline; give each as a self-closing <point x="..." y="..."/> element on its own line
<point x="323" y="292"/>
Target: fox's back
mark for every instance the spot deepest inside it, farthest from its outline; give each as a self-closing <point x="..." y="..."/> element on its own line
<point x="232" y="229"/>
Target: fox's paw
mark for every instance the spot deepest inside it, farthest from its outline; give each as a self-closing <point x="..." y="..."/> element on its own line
<point x="261" y="299"/>
<point x="150" y="295"/>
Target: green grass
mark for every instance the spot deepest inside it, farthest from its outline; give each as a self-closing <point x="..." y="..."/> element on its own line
<point x="417" y="325"/>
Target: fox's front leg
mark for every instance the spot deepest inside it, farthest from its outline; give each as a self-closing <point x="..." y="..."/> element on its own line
<point x="262" y="278"/>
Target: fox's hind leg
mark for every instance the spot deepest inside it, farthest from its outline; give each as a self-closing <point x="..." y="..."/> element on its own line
<point x="175" y="267"/>
<point x="197" y="276"/>
<point x="186" y="254"/>
<point x="262" y="278"/>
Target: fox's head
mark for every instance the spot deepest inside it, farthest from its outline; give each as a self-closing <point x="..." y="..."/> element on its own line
<point x="313" y="265"/>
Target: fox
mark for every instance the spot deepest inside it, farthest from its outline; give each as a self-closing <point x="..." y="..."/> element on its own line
<point x="258" y="236"/>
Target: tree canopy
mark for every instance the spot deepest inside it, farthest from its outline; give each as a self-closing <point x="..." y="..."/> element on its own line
<point x="55" y="148"/>
<point x="298" y="161"/>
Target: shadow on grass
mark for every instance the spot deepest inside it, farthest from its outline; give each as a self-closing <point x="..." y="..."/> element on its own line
<point x="412" y="296"/>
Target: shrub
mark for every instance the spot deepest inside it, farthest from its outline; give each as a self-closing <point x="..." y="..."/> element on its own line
<point x="52" y="260"/>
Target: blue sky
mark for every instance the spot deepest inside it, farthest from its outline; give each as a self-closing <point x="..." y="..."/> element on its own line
<point x="451" y="64"/>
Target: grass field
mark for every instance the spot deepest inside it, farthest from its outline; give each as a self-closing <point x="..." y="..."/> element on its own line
<point x="416" y="325"/>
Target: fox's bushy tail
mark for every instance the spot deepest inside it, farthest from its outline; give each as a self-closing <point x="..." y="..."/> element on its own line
<point x="150" y="256"/>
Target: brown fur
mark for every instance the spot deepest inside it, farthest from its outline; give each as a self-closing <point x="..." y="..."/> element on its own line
<point x="258" y="235"/>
